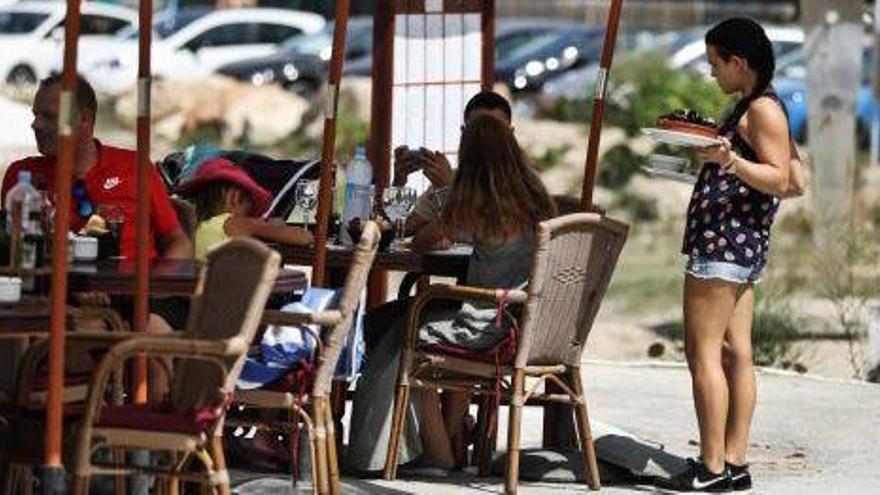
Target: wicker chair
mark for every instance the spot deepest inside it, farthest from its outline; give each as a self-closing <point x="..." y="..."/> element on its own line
<point x="319" y="424"/>
<point x="574" y="258"/>
<point x="226" y="310"/>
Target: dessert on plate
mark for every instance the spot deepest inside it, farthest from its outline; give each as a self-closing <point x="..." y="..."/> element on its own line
<point x="688" y="121"/>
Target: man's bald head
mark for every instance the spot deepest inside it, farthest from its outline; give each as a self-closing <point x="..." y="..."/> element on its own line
<point x="45" y="110"/>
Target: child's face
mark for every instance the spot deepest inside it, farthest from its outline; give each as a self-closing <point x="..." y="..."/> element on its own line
<point x="236" y="202"/>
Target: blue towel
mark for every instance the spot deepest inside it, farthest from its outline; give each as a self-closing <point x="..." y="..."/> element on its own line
<point x="284" y="347"/>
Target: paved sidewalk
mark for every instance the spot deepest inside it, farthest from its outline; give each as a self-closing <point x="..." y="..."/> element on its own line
<point x="810" y="435"/>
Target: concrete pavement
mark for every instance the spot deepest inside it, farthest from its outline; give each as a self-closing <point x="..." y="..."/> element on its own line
<point x="810" y="434"/>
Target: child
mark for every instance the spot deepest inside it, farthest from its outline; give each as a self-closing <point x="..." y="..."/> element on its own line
<point x="498" y="200"/>
<point x="229" y="203"/>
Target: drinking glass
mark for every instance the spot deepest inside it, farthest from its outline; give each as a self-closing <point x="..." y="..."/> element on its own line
<point x="306" y="199"/>
<point x="114" y="217"/>
<point x="398" y="201"/>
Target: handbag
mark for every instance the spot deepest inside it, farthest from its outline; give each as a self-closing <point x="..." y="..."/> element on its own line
<point x="798" y="172"/>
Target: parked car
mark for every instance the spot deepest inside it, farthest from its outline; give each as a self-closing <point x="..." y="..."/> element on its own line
<point x="200" y="47"/>
<point x="32" y="36"/>
<point x="302" y="63"/>
<point x="693" y="55"/>
<point x="510" y="35"/>
<point x="790" y="84"/>
<point x="168" y="22"/>
<point x="526" y="67"/>
<point x="577" y="84"/>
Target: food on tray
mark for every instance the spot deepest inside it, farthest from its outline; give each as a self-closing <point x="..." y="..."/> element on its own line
<point x="688" y="121"/>
<point x="95" y="226"/>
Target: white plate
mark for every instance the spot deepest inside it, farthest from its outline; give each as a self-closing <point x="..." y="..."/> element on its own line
<point x="678" y="138"/>
<point x="671" y="175"/>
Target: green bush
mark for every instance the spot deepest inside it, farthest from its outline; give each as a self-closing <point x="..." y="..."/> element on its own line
<point x="639" y="208"/>
<point x="551" y="157"/>
<point x="640" y="89"/>
<point x="618" y="166"/>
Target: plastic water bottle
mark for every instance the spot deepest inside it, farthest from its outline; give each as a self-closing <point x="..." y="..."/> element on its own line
<point x="24" y="207"/>
<point x="358" y="192"/>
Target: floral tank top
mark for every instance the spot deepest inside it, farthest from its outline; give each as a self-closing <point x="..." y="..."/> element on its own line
<point x="727" y="219"/>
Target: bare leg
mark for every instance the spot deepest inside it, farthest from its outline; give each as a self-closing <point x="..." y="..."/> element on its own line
<point x="455" y="405"/>
<point x="740" y="373"/>
<point x="435" y="441"/>
<point x="708" y="306"/>
<point x="158" y="389"/>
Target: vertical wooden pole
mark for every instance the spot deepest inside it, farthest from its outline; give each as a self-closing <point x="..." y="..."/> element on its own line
<point x="142" y="225"/>
<point x="52" y="478"/>
<point x="380" y="120"/>
<point x="599" y="105"/>
<point x="328" y="149"/>
<point x="487" y="20"/>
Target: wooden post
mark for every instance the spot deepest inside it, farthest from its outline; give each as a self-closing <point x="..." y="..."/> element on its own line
<point x="380" y="121"/>
<point x="487" y="20"/>
<point x="329" y="144"/>
<point x="599" y="105"/>
<point x="142" y="214"/>
<point x="834" y="47"/>
<point x="52" y="477"/>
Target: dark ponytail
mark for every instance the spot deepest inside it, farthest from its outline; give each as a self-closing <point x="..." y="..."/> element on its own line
<point x="745" y="38"/>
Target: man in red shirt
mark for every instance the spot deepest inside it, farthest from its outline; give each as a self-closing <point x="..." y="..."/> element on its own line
<point x="102" y="175"/>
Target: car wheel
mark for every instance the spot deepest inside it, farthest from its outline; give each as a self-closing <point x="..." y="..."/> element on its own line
<point x="21" y="76"/>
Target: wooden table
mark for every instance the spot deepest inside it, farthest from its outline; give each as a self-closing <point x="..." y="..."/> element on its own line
<point x="29" y="316"/>
<point x="448" y="263"/>
<point x="167" y="277"/>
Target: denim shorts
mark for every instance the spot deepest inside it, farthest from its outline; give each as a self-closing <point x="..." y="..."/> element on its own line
<point x="703" y="268"/>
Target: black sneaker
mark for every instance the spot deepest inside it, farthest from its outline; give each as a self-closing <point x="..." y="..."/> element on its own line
<point x="739" y="476"/>
<point x="696" y="478"/>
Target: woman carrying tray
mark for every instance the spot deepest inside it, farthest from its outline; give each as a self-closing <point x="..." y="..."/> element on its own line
<point x="726" y="240"/>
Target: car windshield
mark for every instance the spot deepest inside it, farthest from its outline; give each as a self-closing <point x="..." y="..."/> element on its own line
<point x="20" y="22"/>
<point x="532" y="45"/>
<point x="165" y="25"/>
<point x="308" y="44"/>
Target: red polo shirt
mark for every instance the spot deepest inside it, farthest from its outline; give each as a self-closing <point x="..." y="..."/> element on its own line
<point x="110" y="182"/>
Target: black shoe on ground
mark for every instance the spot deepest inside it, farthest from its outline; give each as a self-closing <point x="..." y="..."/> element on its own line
<point x="740" y="477"/>
<point x="696" y="478"/>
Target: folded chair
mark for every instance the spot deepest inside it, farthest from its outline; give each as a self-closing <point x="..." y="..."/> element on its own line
<point x="313" y="408"/>
<point x="574" y="258"/>
<point x="227" y="305"/>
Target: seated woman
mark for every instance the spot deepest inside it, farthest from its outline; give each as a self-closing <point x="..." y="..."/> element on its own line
<point x="498" y="200"/>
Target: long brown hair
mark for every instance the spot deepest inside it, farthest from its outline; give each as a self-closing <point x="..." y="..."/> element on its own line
<point x="496" y="194"/>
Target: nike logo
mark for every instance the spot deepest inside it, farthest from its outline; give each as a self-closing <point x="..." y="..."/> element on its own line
<point x="111" y="182"/>
<point x="699" y="485"/>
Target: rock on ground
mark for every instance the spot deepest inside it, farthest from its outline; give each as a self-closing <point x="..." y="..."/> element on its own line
<point x="262" y="115"/>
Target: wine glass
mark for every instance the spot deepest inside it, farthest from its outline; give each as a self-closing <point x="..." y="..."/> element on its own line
<point x="398" y="201"/>
<point x="306" y="194"/>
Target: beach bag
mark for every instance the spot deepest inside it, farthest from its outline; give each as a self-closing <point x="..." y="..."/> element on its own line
<point x="798" y="172"/>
